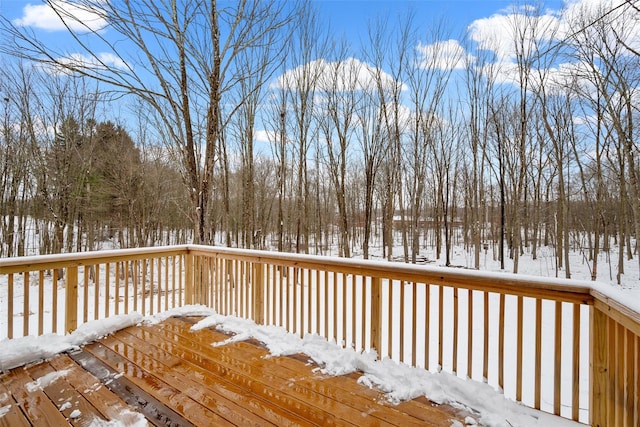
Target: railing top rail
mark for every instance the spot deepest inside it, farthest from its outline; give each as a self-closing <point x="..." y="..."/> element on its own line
<point x="564" y="289"/>
<point x="41" y="262"/>
<point x="608" y="297"/>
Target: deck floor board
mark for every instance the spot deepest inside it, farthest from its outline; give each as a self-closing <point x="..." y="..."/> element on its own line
<point x="174" y="376"/>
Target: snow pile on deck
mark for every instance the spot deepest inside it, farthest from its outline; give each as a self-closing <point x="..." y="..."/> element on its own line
<point x="23" y="350"/>
<point x="398" y="381"/>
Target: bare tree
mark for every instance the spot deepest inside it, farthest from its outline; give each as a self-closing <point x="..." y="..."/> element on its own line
<point x="182" y="61"/>
<point x="613" y="75"/>
<point x="341" y="94"/>
<point x="376" y="119"/>
<point x="392" y="55"/>
<point x="427" y="80"/>
<point x="16" y="186"/>
<point x="479" y="83"/>
<point x="310" y="42"/>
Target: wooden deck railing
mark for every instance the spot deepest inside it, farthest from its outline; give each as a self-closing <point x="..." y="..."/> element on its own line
<point x="59" y="292"/>
<point x="569" y="348"/>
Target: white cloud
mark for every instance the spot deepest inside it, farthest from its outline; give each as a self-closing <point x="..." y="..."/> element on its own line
<point x="500" y="32"/>
<point x="112" y="60"/>
<point x="443" y="55"/>
<point x="621" y="19"/>
<point x="350" y="74"/>
<point x="265" y="136"/>
<point x="59" y="14"/>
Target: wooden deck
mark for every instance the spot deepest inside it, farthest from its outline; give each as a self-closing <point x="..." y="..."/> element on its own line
<point x="174" y="377"/>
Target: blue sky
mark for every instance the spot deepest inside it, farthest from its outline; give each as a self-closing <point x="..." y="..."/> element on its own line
<point x="347" y="19"/>
<point x="351" y="17"/>
<point x="489" y="21"/>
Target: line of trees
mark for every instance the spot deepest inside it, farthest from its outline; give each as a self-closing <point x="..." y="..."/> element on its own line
<point x="419" y="142"/>
<point x="69" y="180"/>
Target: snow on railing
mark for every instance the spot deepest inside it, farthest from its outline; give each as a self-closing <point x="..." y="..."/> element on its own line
<point x="566" y="347"/>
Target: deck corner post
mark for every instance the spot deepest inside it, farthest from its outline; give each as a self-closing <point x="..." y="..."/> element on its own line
<point x="257" y="286"/>
<point x="599" y="365"/>
<point x="376" y="315"/>
<point x="71" y="299"/>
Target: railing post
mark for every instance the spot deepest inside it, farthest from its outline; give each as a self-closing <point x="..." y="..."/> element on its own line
<point x="188" y="279"/>
<point x="71" y="300"/>
<point x="599" y="362"/>
<point x="376" y="315"/>
<point x="257" y="286"/>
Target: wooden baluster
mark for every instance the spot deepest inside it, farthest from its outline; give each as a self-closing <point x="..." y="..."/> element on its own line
<point x="335" y="306"/>
<point x="455" y="329"/>
<point x="258" y="293"/>
<point x="85" y="294"/>
<point x="237" y="285"/>
<point x="281" y="296"/>
<point x="274" y="295"/>
<point x="427" y="326"/>
<point x="485" y="360"/>
<point x="25" y="309"/>
<point x="189" y="297"/>
<point x="390" y="319"/>
<point x="599" y="362"/>
<point x="364" y="306"/>
<point x="173" y="281"/>
<point x="159" y="287"/>
<point x="469" y="333"/>
<point x="354" y="280"/>
<point x="151" y="282"/>
<point x="537" y="394"/>
<point x="96" y="293"/>
<point x="519" y="348"/>
<point x="107" y="280"/>
<point x="166" y="283"/>
<point x="296" y="279"/>
<point x="54" y="302"/>
<point x="71" y="299"/>
<point x="501" y="342"/>
<point x="140" y="278"/>
<point x="326" y="304"/>
<point x="309" y="302"/>
<point x="376" y="315"/>
<point x="557" y="349"/>
<point x="619" y="375"/>
<point x="575" y="392"/>
<point x="344" y="279"/>
<point x="126" y="288"/>
<point x="317" y="331"/>
<point x="402" y="319"/>
<point x="414" y="323"/>
<point x="440" y="323"/>
<point x="630" y="378"/>
<point x="10" y="306"/>
<point x="40" y="302"/>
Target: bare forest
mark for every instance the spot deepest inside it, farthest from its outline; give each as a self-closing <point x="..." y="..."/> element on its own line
<point x="252" y="125"/>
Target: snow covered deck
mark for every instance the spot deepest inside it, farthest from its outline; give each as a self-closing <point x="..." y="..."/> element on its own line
<point x="171" y="375"/>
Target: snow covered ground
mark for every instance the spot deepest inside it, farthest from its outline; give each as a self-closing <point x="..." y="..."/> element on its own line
<point x="398" y="381"/>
